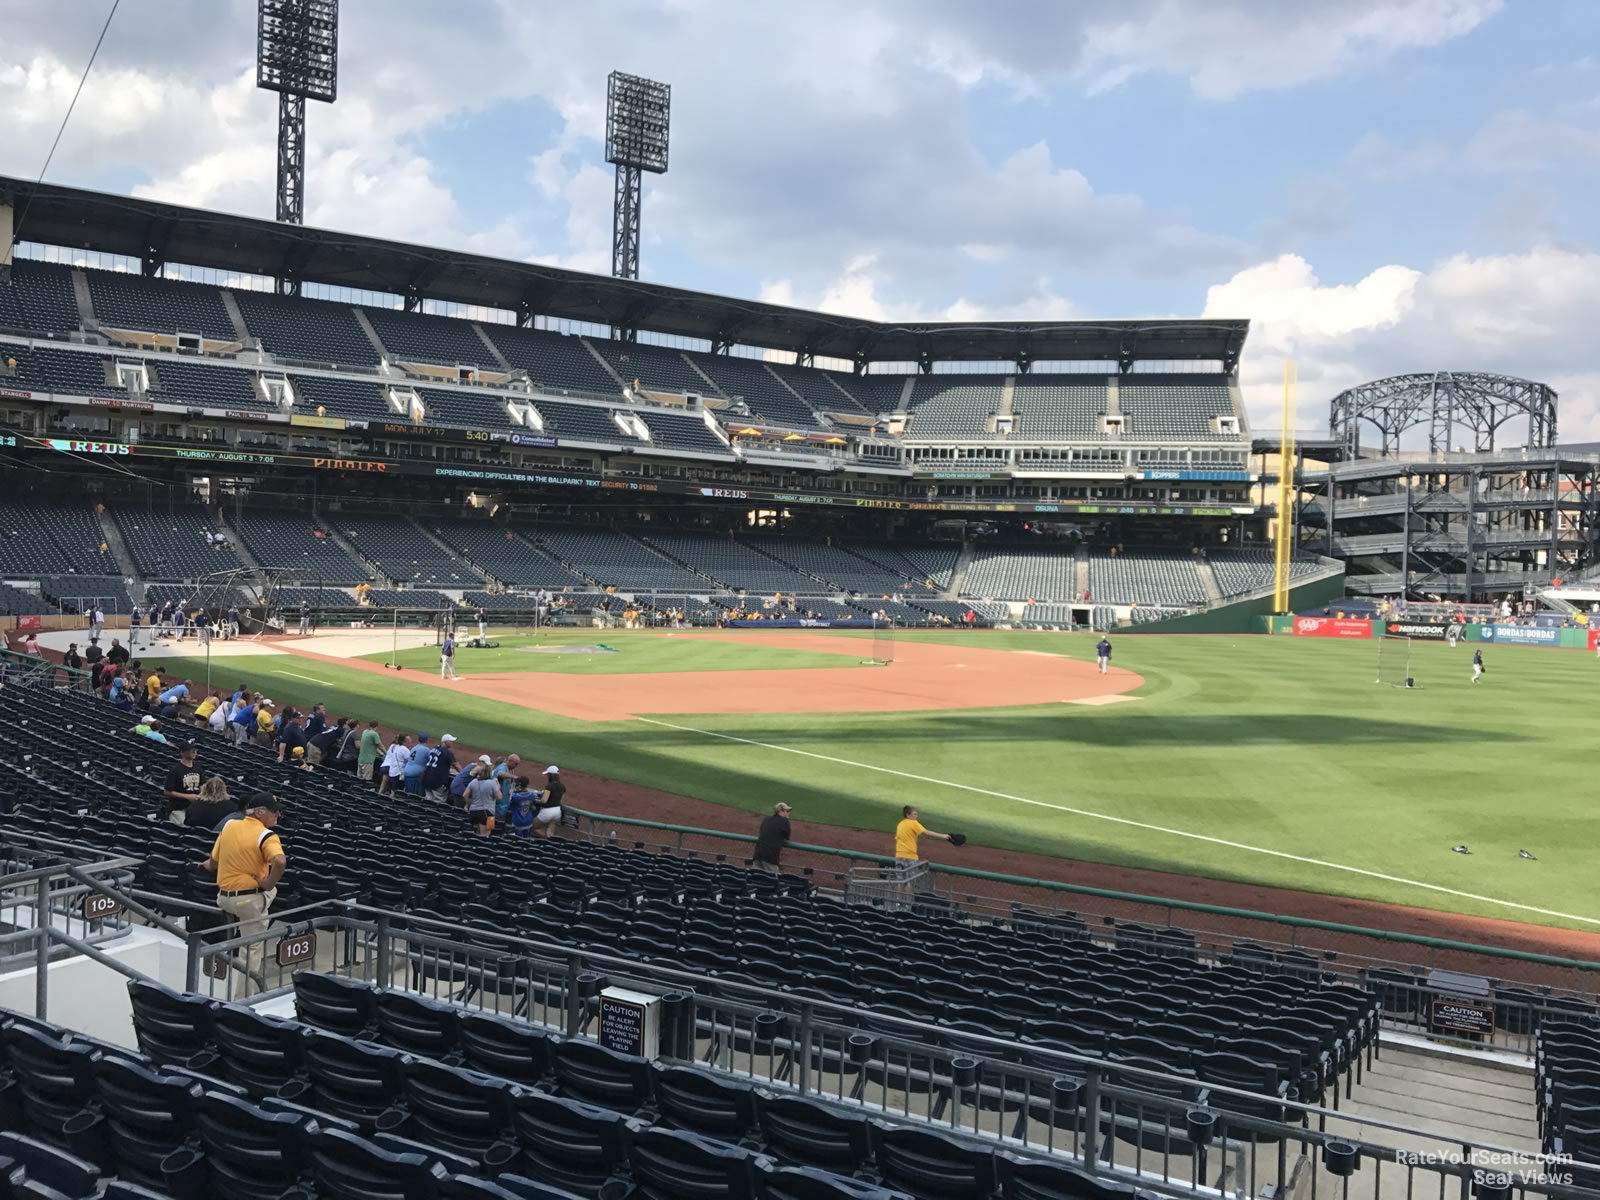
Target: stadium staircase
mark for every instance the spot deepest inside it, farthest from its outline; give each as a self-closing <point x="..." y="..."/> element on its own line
<point x="1080" y="570"/>
<point x="1208" y="582"/>
<point x="372" y="334"/>
<point x="119" y="549"/>
<point x="711" y="385"/>
<point x="1008" y="395"/>
<point x="958" y="575"/>
<point x="494" y="351"/>
<point x="239" y="547"/>
<point x="240" y="329"/>
<point x="80" y="290"/>
<point x="379" y="577"/>
<point x="448" y="549"/>
<point x="904" y="403"/>
<point x="785" y="385"/>
<point x="622" y="385"/>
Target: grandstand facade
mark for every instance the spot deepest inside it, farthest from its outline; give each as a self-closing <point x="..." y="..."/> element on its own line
<point x="1017" y="472"/>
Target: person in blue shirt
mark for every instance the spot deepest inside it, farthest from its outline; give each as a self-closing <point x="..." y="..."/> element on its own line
<point x="119" y="696"/>
<point x="170" y="700"/>
<point x="1102" y="654"/>
<point x="521" y="807"/>
<point x="243" y="720"/>
<point x="505" y="775"/>
<point x="416" y="765"/>
<point x="458" y="785"/>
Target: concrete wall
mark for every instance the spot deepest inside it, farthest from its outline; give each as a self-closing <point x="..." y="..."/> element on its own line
<point x="93" y="999"/>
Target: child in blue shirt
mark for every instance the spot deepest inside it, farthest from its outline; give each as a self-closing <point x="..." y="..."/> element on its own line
<point x="524" y="804"/>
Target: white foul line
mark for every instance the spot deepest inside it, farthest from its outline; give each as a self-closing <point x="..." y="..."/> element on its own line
<point x="297" y="675"/>
<point x="1183" y="833"/>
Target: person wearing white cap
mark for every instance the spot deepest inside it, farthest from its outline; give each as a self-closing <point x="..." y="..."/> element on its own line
<point x="549" y="814"/>
<point x="437" y="772"/>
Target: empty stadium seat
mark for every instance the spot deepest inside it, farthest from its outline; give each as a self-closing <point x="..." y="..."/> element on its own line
<point x="134" y="302"/>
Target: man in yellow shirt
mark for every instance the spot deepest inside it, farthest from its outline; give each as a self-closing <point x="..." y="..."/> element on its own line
<point x="249" y="861"/>
<point x="152" y="687"/>
<point x="265" y="720"/>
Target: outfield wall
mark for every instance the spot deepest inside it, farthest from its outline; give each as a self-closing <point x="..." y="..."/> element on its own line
<point x="1247" y="616"/>
<point x="1578" y="638"/>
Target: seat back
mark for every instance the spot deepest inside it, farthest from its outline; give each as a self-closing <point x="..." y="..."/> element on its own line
<point x="673" y="1162"/>
<point x="597" y="1075"/>
<point x="46" y="1167"/>
<point x="416" y="1024"/>
<point x="171" y="1027"/>
<point x="347" y="1167"/>
<point x="807" y="1132"/>
<point x="691" y="1099"/>
<point x="499" y="1046"/>
<point x="928" y="1164"/>
<point x="573" y="1145"/>
<point x="338" y="1005"/>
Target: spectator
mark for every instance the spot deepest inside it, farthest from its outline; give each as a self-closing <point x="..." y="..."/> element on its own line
<point x="207" y="707"/>
<point x="171" y="700"/>
<point x="906" y="834"/>
<point x="320" y="747"/>
<point x="395" y="760"/>
<point x="772" y="838"/>
<point x="153" y="687"/>
<point x="549" y="814"/>
<point x="440" y="767"/>
<point x="291" y="738"/>
<point x="119" y="695"/>
<point x="504" y="773"/>
<point x="72" y="659"/>
<point x="347" y="749"/>
<point x="249" y="861"/>
<point x="299" y="761"/>
<point x="266" y="722"/>
<point x="482" y="796"/>
<point x="150" y="728"/>
<point x="523" y="803"/>
<point x="316" y="721"/>
<point x="416" y="763"/>
<point x="464" y="776"/>
<point x="368" y="750"/>
<point x="213" y="805"/>
<point x="94" y="658"/>
<point x="182" y="787"/>
<point x="243" y="718"/>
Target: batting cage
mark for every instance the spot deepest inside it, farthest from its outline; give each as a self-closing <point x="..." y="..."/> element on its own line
<point x="882" y="643"/>
<point x="1394" y="661"/>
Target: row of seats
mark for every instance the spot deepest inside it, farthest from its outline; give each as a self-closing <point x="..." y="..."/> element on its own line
<point x="46" y="535"/>
<point x="1244" y="569"/>
<point x="1567" y="1090"/>
<point x="1145" y="577"/>
<point x="174" y="544"/>
<point x="295" y="540"/>
<point x="402" y="551"/>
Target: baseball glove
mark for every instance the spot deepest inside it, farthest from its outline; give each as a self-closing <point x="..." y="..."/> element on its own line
<point x="958" y="839"/>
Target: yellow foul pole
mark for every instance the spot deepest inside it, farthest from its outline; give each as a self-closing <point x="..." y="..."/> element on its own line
<point x="1284" y="543"/>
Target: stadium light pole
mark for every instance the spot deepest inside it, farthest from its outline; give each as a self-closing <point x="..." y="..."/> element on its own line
<point x="638" y="120"/>
<point x="297" y="56"/>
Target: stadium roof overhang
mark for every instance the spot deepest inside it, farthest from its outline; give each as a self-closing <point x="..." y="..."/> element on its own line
<point x="157" y="232"/>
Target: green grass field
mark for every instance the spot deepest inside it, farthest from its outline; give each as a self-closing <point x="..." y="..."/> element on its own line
<point x="1239" y="753"/>
<point x="633" y="655"/>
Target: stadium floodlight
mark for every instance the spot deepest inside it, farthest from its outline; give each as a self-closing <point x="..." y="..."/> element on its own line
<point x="297" y="56"/>
<point x="638" y="120"/>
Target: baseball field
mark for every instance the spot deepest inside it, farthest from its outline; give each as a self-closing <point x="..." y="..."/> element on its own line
<point x="1258" y="760"/>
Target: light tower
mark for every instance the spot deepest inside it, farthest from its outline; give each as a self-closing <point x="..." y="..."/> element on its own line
<point x="297" y="56"/>
<point x="638" y="116"/>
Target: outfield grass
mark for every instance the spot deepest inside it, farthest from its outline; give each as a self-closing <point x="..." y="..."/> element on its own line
<point x="633" y="655"/>
<point x="1276" y="744"/>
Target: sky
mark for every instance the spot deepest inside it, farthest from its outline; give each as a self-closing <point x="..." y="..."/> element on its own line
<point x="1380" y="186"/>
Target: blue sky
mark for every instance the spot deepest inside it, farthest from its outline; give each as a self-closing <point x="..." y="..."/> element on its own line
<point x="1379" y="185"/>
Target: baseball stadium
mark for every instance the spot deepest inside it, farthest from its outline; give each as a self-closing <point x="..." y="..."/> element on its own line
<point x="654" y="743"/>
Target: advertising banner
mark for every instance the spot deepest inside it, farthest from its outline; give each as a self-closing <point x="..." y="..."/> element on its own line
<point x="802" y="623"/>
<point x="1594" y="638"/>
<point x="1520" y="635"/>
<point x="1425" y="631"/>
<point x="1332" y="627"/>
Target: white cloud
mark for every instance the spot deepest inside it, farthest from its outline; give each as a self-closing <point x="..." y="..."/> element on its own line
<point x="857" y="291"/>
<point x="1225" y="50"/>
<point x="1528" y="315"/>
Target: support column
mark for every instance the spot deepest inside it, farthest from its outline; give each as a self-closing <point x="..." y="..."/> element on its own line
<point x="8" y="218"/>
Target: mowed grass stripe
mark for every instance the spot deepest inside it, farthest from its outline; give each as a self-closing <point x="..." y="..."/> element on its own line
<point x="1277" y="743"/>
